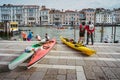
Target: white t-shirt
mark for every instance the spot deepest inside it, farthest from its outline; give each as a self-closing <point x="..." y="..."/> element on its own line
<point x="91" y="27"/>
<point x="38" y="37"/>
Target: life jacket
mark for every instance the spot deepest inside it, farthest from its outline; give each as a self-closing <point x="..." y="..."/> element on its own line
<point x="24" y="35"/>
<point x="90" y="28"/>
<point x="30" y="35"/>
<point x="82" y="28"/>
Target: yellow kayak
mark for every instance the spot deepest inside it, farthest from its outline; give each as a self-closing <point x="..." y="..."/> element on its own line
<point x="78" y="47"/>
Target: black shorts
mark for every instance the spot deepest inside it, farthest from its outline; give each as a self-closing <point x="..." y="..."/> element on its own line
<point x="81" y="34"/>
<point x="24" y="39"/>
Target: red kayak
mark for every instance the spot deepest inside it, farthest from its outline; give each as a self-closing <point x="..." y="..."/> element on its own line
<point x="45" y="48"/>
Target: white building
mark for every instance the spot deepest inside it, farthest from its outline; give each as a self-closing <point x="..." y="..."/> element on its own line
<point x="31" y="15"/>
<point x="44" y="16"/>
<point x="117" y="15"/>
<point x="71" y="17"/>
<point x="105" y="17"/>
<point x="89" y="15"/>
<point x="56" y="17"/>
<point x="11" y="13"/>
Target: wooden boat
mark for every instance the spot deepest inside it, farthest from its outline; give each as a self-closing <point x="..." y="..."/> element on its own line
<point x="40" y="53"/>
<point x="78" y="47"/>
<point x="25" y="55"/>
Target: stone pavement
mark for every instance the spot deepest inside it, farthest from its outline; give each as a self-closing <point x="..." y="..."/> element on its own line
<point x="62" y="63"/>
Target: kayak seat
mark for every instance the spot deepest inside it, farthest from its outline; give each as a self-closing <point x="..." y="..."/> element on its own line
<point x="37" y="45"/>
<point x="45" y="47"/>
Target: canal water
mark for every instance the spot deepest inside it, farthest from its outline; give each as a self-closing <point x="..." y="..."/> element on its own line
<point x="71" y="33"/>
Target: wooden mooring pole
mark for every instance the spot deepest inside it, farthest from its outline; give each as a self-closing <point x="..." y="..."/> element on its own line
<point x="102" y="33"/>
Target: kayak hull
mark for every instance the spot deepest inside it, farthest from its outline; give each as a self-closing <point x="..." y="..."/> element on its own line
<point x="40" y="53"/>
<point x="24" y="56"/>
<point x="79" y="47"/>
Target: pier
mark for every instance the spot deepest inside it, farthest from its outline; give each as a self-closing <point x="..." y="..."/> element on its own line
<point x="62" y="63"/>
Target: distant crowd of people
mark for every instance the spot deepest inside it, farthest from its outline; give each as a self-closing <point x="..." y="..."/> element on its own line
<point x="29" y="37"/>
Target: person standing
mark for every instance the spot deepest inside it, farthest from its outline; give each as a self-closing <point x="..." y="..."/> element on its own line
<point x="24" y="36"/>
<point x="90" y="29"/>
<point x="82" y="28"/>
<point x="30" y="35"/>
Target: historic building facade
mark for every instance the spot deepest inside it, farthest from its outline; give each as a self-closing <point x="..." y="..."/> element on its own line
<point x="89" y="14"/>
<point x="117" y="15"/>
<point x="105" y="16"/>
<point x="71" y="17"/>
<point x="9" y="12"/>
<point x="30" y="15"/>
<point x="44" y="16"/>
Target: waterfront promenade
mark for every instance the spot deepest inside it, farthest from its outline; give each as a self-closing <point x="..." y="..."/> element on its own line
<point x="62" y="63"/>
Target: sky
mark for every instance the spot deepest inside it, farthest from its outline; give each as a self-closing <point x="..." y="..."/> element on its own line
<point x="67" y="4"/>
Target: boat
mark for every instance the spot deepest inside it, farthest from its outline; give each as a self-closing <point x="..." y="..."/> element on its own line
<point x="14" y="26"/>
<point x="40" y="53"/>
<point x="2" y="27"/>
<point x="29" y="51"/>
<point x="80" y="47"/>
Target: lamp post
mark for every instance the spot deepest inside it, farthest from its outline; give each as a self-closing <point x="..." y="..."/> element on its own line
<point x="102" y="31"/>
